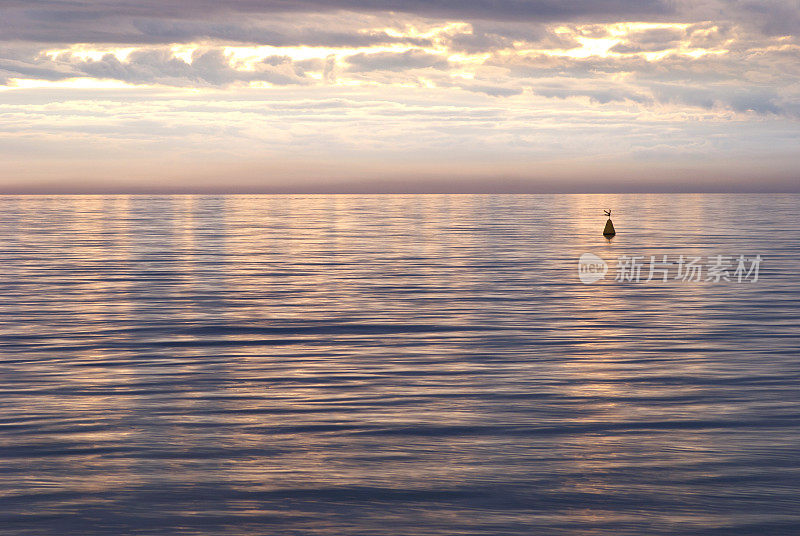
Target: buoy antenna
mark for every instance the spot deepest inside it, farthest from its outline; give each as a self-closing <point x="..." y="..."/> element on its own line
<point x="608" y="213"/>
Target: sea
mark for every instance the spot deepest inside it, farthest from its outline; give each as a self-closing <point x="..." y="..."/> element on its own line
<point x="398" y="365"/>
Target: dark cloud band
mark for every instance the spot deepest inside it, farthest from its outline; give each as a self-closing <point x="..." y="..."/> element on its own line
<point x="173" y="21"/>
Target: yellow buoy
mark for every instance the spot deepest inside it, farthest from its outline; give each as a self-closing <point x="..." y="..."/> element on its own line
<point x="609" y="229"/>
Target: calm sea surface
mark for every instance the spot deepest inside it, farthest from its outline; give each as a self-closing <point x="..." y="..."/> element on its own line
<point x="396" y="365"/>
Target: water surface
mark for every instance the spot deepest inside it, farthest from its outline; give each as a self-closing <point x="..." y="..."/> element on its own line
<point x="395" y="365"/>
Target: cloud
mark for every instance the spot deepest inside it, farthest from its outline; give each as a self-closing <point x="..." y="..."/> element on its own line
<point x="599" y="95"/>
<point x="264" y="32"/>
<point x="395" y="61"/>
<point x="208" y="67"/>
<point x="494" y="85"/>
<point x="652" y="40"/>
<point x="85" y="20"/>
<point x="283" y="22"/>
<point x="744" y="99"/>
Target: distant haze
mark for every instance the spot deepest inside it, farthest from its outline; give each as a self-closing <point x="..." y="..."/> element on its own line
<point x="346" y="96"/>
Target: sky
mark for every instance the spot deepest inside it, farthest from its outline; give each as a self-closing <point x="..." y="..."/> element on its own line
<point x="139" y="96"/>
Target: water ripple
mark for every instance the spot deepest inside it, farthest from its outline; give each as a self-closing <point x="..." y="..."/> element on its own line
<point x="394" y="365"/>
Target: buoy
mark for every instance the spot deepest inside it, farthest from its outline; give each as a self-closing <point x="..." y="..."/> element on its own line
<point x="609" y="229"/>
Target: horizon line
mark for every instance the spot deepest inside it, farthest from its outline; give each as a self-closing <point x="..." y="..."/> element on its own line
<point x="24" y="193"/>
